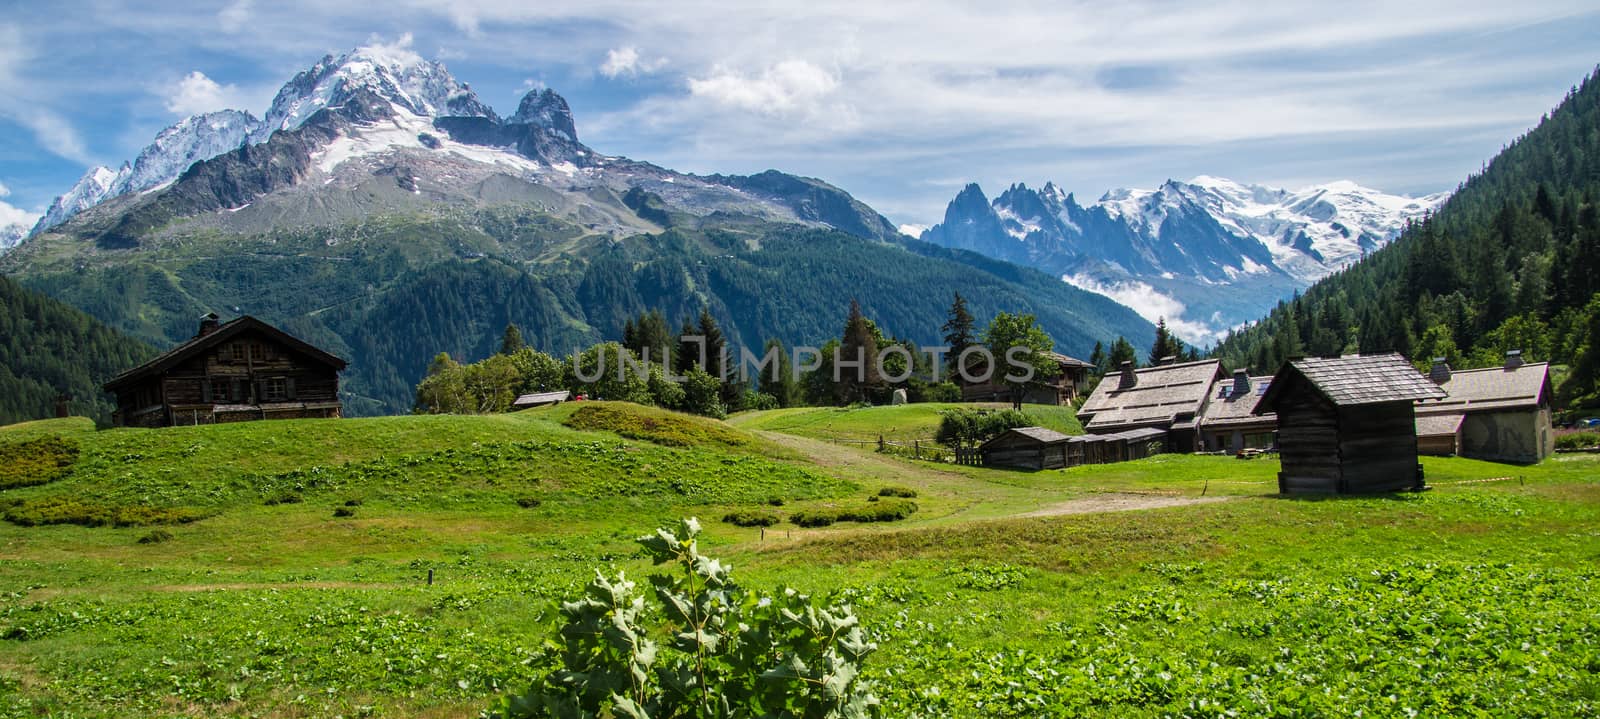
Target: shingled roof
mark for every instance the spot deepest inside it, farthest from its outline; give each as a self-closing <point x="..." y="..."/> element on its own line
<point x="1228" y="409"/>
<point x="1495" y="388"/>
<point x="1355" y="380"/>
<point x="222" y="333"/>
<point x="1160" y="396"/>
<point x="1062" y="359"/>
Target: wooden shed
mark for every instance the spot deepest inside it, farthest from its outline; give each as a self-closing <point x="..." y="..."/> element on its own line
<point x="1499" y="414"/>
<point x="241" y="370"/>
<point x="1347" y="425"/>
<point x="1026" y="448"/>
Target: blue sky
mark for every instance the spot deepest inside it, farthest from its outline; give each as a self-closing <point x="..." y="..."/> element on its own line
<point x="899" y="103"/>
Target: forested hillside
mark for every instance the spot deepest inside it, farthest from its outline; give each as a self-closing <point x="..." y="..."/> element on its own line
<point x="48" y="349"/>
<point x="1511" y="261"/>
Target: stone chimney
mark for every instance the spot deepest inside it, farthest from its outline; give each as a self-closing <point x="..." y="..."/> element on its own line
<point x="1513" y="359"/>
<point x="1129" y="377"/>
<point x="1440" y="372"/>
<point x="1241" y="383"/>
<point x="208" y="324"/>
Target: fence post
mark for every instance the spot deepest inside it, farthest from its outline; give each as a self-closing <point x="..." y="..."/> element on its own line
<point x="880" y="443"/>
<point x="917" y="447"/>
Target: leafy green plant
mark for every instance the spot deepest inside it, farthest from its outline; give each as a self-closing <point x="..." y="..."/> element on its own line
<point x="37" y="461"/>
<point x="752" y="518"/>
<point x="729" y="653"/>
<point x="987" y="577"/>
<point x="1578" y="440"/>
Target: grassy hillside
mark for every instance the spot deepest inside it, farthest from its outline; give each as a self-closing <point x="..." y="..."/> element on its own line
<point x="1109" y="591"/>
<point x="903" y="422"/>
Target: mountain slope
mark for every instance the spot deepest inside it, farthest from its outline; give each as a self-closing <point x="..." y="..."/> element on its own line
<point x="1511" y="261"/>
<point x="1207" y="254"/>
<point x="387" y="214"/>
<point x="48" y="349"/>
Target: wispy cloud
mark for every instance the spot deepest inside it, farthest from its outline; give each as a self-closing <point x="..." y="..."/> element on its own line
<point x="196" y="94"/>
<point x="10" y="215"/>
<point x="20" y="103"/>
<point x="627" y="62"/>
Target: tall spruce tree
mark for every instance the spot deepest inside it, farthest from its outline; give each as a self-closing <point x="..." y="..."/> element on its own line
<point x="858" y="345"/>
<point x="957" y="333"/>
<point x="511" y="340"/>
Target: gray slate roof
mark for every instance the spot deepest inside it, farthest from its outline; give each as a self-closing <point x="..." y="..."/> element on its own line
<point x="1438" y="424"/>
<point x="538" y="398"/>
<point x="1161" y="394"/>
<point x="1495" y="388"/>
<point x="1043" y="434"/>
<point x="1226" y="409"/>
<point x="1359" y="379"/>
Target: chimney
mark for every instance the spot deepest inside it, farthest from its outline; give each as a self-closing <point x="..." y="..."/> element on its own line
<point x="1513" y="359"/>
<point x="1241" y="383"/>
<point x="1440" y="372"/>
<point x="1129" y="377"/>
<point x="1164" y="361"/>
<point x="208" y="324"/>
<point x="63" y="406"/>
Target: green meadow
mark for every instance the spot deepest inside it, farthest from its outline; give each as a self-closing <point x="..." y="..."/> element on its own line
<point x="281" y="569"/>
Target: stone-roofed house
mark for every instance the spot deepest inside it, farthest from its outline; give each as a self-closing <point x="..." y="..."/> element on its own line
<point x="1500" y="414"/>
<point x="1170" y="397"/>
<point x="1062" y="388"/>
<point x="1230" y="422"/>
<point x="1347" y="425"/>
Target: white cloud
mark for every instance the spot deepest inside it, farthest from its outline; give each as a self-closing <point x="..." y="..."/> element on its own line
<point x="913" y="230"/>
<point x="1152" y="305"/>
<point x="196" y="94"/>
<point x="10" y="216"/>
<point x="784" y="88"/>
<point x="627" y="61"/>
<point x="235" y="16"/>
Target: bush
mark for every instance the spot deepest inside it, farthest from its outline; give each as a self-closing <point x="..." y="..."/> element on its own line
<point x="891" y="510"/>
<point x="942" y="392"/>
<point x="896" y="491"/>
<point x="352" y="503"/>
<point x="965" y="427"/>
<point x="36" y="461"/>
<point x="64" y="510"/>
<point x="156" y="537"/>
<point x="725" y="651"/>
<point x="751" y="518"/>
<point x="344" y="512"/>
<point x="1578" y="440"/>
<point x="528" y="502"/>
<point x="283" y="498"/>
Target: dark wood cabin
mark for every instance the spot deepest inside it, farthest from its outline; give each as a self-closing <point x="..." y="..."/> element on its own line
<point x="1499" y="414"/>
<point x="1063" y="388"/>
<point x="1123" y="446"/>
<point x="1347" y="425"/>
<point x="242" y="370"/>
<point x="1170" y="396"/>
<point x="1026" y="448"/>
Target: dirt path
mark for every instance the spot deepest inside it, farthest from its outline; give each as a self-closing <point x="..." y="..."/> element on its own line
<point x="1118" y="503"/>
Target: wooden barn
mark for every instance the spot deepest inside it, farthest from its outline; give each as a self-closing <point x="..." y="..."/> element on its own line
<point x="242" y="370"/>
<point x="1026" y="448"/>
<point x="1347" y="425"/>
<point x="1230" y="423"/>
<point x="1062" y="388"/>
<point x="1499" y="414"/>
<point x="1116" y="447"/>
<point x="1171" y="397"/>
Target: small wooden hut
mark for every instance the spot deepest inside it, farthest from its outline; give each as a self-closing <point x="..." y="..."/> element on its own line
<point x="1347" y="425"/>
<point x="1026" y="448"/>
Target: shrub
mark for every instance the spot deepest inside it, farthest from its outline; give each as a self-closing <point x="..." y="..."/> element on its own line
<point x="897" y="491"/>
<point x="528" y="502"/>
<point x="751" y="518"/>
<point x="352" y="503"/>
<point x="36" y="461"/>
<point x="283" y="498"/>
<point x="65" y="510"/>
<point x="1578" y="440"/>
<point x="965" y="427"/>
<point x="156" y="536"/>
<point x="727" y="652"/>
<point x="890" y="510"/>
<point x="814" y="517"/>
<point x="344" y="512"/>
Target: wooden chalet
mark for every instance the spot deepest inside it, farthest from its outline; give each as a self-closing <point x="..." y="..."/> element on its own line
<point x="1230" y="423"/>
<point x="1347" y="425"/>
<point x="237" y="371"/>
<point x="1064" y="388"/>
<point x="1500" y="414"/>
<point x="1026" y="448"/>
<point x="1171" y="397"/>
<point x="540" y="399"/>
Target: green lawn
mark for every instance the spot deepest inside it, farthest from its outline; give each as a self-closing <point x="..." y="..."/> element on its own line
<point x="900" y="422"/>
<point x="1008" y="594"/>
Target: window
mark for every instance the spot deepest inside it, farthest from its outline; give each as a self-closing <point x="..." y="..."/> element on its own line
<point x="275" y="390"/>
<point x="225" y="353"/>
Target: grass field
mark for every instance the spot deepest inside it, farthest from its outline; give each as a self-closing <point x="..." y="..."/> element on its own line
<point x="1111" y="591"/>
<point x="900" y="422"/>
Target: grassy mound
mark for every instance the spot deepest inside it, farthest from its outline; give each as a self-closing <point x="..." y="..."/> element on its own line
<point x="904" y="422"/>
<point x="650" y="424"/>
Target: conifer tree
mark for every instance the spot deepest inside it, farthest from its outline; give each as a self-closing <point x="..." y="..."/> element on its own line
<point x="957" y="333"/>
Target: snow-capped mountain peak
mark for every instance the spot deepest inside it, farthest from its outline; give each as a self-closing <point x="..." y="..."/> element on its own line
<point x="392" y="73"/>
